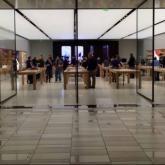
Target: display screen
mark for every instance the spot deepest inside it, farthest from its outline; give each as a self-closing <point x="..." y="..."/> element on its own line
<point x="66" y="53"/>
<point x="80" y="52"/>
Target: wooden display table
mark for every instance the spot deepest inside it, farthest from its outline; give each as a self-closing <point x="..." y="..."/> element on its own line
<point x="147" y="70"/>
<point x="115" y="73"/>
<point x="101" y="70"/>
<point x="33" y="72"/>
<point x="72" y="71"/>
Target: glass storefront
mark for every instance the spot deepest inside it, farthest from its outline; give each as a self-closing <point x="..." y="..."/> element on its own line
<point x="148" y="34"/>
<point x="7" y="52"/>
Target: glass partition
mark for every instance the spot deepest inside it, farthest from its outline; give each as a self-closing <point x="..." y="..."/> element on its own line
<point x="159" y="53"/>
<point x="145" y="49"/>
<point x="7" y="54"/>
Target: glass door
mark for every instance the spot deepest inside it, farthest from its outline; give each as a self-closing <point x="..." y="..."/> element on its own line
<point x="145" y="51"/>
<point x="8" y="64"/>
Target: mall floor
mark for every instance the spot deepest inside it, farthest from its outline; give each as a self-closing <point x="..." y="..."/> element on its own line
<point x="132" y="132"/>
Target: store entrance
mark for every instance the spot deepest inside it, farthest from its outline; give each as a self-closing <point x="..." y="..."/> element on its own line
<point x="104" y="93"/>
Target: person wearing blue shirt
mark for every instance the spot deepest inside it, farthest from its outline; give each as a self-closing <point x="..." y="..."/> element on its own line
<point x="156" y="63"/>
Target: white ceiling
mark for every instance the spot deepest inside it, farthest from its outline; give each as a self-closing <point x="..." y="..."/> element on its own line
<point x="93" y="23"/>
<point x="7" y="19"/>
<point x="26" y="29"/>
<point x="144" y="23"/>
<point x="59" y="24"/>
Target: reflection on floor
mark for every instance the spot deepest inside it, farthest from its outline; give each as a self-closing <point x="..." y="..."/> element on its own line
<point x="105" y="136"/>
<point x="45" y="134"/>
<point x="53" y="94"/>
<point x="6" y="86"/>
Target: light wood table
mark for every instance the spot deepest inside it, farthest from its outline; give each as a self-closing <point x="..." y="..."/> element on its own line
<point x="147" y="70"/>
<point x="115" y="73"/>
<point x="72" y="71"/>
<point x="33" y="73"/>
<point x="101" y="70"/>
<point x="106" y="72"/>
<point x="43" y="73"/>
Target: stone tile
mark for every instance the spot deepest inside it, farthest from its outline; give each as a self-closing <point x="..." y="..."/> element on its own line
<point x="58" y="156"/>
<point x="124" y="148"/>
<point x="128" y="156"/>
<point x="90" y="159"/>
<point x="52" y="149"/>
<point x="88" y="152"/>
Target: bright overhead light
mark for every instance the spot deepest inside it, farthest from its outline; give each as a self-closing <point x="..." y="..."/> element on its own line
<point x="144" y="18"/>
<point x="141" y="35"/>
<point x="159" y="15"/>
<point x="26" y="29"/>
<point x="6" y="35"/>
<point x="124" y="28"/>
<point x="129" y="24"/>
<point x="58" y="24"/>
<point x="93" y="23"/>
<point x="160" y="28"/>
<point x="7" y="19"/>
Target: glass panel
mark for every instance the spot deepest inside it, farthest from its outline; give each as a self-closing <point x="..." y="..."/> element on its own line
<point x="145" y="49"/>
<point x="159" y="53"/>
<point x="7" y="54"/>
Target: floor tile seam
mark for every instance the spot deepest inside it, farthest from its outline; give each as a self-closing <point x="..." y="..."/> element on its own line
<point x="150" y="122"/>
<point x="34" y="151"/>
<point x="103" y="139"/>
<point x="139" y="144"/>
<point x="12" y="135"/>
<point x="75" y="111"/>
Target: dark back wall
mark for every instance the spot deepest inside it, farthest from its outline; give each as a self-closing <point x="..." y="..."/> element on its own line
<point x="97" y="44"/>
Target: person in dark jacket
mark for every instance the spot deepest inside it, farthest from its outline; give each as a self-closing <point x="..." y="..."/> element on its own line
<point x="58" y="69"/>
<point x="49" y="66"/>
<point x="34" y="62"/>
<point x="131" y="62"/>
<point x="85" y="62"/>
<point x="41" y="62"/>
<point x="29" y="66"/>
<point x="116" y="64"/>
<point x="91" y="67"/>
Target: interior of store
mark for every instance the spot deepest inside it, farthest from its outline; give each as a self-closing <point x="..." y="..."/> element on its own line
<point x="117" y="116"/>
<point x="34" y="28"/>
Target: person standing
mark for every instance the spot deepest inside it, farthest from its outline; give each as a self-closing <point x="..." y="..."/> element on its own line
<point x="131" y="62"/>
<point x="58" y="69"/>
<point x="91" y="67"/>
<point x="41" y="62"/>
<point x="34" y="62"/>
<point x="29" y="66"/>
<point x="48" y="69"/>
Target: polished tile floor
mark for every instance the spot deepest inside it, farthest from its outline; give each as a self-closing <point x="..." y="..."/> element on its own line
<point x="91" y="136"/>
<point x="51" y="133"/>
<point x="53" y="94"/>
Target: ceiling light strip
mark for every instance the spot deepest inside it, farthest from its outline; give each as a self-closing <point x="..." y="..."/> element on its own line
<point x="122" y="18"/>
<point x="144" y="29"/>
<point x="19" y="12"/>
<point x="12" y="6"/>
<point x="117" y="23"/>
